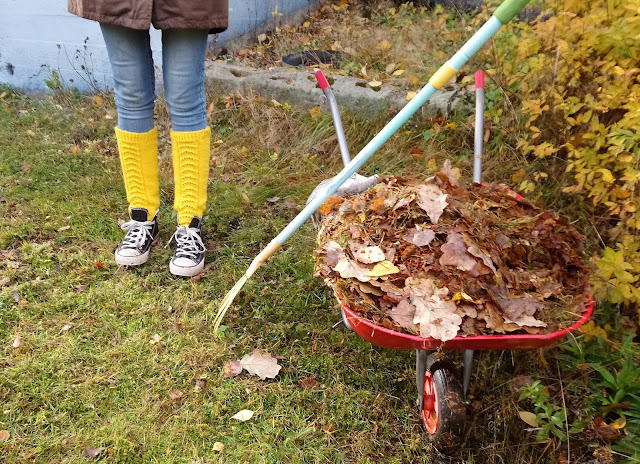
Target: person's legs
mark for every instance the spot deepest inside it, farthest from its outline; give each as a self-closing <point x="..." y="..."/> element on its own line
<point x="132" y="65"/>
<point x="183" y="54"/>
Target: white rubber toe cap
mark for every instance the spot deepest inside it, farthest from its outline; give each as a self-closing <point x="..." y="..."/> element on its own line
<point x="185" y="267"/>
<point x="131" y="257"/>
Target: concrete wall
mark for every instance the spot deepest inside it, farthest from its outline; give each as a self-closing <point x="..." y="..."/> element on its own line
<point x="38" y="36"/>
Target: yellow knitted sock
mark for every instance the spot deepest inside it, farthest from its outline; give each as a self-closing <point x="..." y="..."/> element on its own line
<point x="190" y="172"/>
<point x="139" y="159"/>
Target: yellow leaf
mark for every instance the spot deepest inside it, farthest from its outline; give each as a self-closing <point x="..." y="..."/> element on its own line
<point x="74" y="150"/>
<point x="245" y="199"/>
<point x="98" y="100"/>
<point x="274" y="156"/>
<point x="375" y="84"/>
<point x="384" y="45"/>
<point x="619" y="423"/>
<point x="383" y="268"/>
<point x="218" y="446"/>
<point x="451" y="125"/>
<point x="414" y="79"/>
<point x="244" y="149"/>
<point x="518" y="175"/>
<point x="398" y="72"/>
<point x="306" y="24"/>
<point x="462" y="296"/>
<point x="432" y="165"/>
<point x="30" y="133"/>
<point x="276" y="103"/>
<point x="315" y="112"/>
<point x="411" y="95"/>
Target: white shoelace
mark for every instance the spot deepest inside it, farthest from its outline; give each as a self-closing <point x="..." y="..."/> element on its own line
<point x="137" y="233"/>
<point x="188" y="243"/>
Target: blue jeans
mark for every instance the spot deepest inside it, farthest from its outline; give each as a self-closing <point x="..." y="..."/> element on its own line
<point x="183" y="54"/>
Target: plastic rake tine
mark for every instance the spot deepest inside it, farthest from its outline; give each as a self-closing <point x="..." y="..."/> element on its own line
<point x="503" y="14"/>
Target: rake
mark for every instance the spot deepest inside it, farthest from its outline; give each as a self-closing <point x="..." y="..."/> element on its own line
<point x="503" y="14"/>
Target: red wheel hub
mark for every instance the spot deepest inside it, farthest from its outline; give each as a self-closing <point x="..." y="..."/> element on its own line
<point x="430" y="407"/>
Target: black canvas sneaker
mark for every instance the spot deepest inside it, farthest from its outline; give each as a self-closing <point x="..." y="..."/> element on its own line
<point x="134" y="249"/>
<point x="188" y="259"/>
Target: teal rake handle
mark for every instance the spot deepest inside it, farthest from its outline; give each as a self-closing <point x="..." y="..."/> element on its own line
<point x="501" y="16"/>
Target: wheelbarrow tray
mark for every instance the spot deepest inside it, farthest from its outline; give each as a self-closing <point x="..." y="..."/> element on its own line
<point x="386" y="338"/>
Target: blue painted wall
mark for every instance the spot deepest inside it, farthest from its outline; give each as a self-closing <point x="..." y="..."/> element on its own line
<point x="38" y="36"/>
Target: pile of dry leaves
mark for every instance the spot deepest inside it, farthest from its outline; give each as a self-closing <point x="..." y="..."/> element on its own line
<point x="440" y="259"/>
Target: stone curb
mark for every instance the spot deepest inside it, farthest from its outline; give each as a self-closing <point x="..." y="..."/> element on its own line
<point x="299" y="88"/>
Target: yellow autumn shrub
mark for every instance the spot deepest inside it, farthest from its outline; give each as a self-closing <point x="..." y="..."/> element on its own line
<point x="578" y="82"/>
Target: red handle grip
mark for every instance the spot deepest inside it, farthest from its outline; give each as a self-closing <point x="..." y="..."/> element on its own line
<point x="322" y="80"/>
<point x="479" y="79"/>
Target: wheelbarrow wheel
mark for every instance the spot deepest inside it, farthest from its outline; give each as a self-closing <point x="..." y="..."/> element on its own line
<point x="443" y="411"/>
<point x="345" y="321"/>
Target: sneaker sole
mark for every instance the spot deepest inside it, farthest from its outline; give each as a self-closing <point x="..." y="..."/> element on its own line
<point x="186" y="271"/>
<point x="132" y="260"/>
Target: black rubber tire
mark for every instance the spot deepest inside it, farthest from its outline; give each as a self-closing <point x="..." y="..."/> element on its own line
<point x="452" y="412"/>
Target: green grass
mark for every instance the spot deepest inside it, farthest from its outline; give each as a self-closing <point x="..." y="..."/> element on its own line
<point x="104" y="383"/>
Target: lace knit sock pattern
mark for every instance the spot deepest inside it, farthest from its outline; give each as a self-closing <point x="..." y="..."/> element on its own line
<point x="139" y="159"/>
<point x="190" y="173"/>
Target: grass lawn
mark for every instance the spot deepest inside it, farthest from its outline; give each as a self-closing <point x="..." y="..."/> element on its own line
<point x="99" y="349"/>
<point x="89" y="371"/>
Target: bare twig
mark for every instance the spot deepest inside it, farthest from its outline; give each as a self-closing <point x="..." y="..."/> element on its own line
<point x="566" y="419"/>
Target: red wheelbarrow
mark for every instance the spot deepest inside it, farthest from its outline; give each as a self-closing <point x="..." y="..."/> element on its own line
<point x="441" y="395"/>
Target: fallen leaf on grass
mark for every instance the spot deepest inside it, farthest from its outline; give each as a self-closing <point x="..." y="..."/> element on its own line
<point x="232" y="369"/>
<point x="175" y="394"/>
<point x="218" y="446"/>
<point x="99" y="265"/>
<point x="4" y="435"/>
<point x="80" y="288"/>
<point x="26" y="167"/>
<point x="63" y="228"/>
<point x="309" y="383"/>
<point x="93" y="453"/>
<point x="5" y="281"/>
<point x="155" y="339"/>
<point x="273" y="200"/>
<point x="261" y="363"/>
<point x="521" y="381"/>
<point x="17" y="342"/>
<point x="66" y="328"/>
<point x="198" y="276"/>
<point x="30" y="133"/>
<point x="243" y="415"/>
<point x="201" y="383"/>
<point x="529" y="417"/>
<point x="16" y="296"/>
